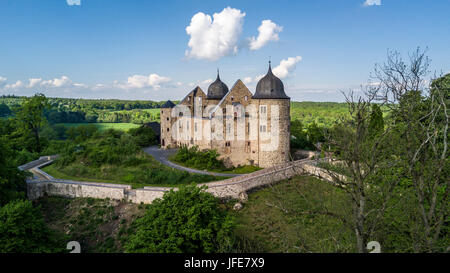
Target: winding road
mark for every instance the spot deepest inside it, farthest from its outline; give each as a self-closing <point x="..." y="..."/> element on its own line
<point x="163" y="157"/>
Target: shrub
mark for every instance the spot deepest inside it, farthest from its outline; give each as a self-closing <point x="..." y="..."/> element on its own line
<point x="144" y="136"/>
<point x="23" y="230"/>
<point x="193" y="157"/>
<point x="185" y="221"/>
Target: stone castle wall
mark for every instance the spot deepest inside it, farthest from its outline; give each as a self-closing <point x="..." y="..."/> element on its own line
<point x="233" y="188"/>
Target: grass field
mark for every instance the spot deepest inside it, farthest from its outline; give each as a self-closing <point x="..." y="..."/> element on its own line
<point x="148" y="173"/>
<point x="106" y="126"/>
<point x="301" y="214"/>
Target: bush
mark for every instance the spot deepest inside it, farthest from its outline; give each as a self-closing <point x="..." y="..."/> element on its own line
<point x="144" y="136"/>
<point x="23" y="230"/>
<point x="185" y="221"/>
<point x="194" y="158"/>
<point x="12" y="181"/>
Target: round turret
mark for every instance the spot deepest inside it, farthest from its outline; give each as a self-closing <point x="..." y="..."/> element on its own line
<point x="270" y="87"/>
<point x="217" y="89"/>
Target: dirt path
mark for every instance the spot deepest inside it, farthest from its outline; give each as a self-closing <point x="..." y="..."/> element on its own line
<point x="163" y="157"/>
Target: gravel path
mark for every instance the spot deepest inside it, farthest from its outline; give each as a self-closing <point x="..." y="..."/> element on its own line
<point x="163" y="157"/>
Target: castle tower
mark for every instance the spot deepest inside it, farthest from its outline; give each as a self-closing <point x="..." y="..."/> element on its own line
<point x="166" y="125"/>
<point x="216" y="91"/>
<point x="273" y="108"/>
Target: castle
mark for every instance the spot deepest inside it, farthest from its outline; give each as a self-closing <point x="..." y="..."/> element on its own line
<point x="244" y="128"/>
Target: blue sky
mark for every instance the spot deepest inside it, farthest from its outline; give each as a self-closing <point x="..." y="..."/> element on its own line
<point x="158" y="50"/>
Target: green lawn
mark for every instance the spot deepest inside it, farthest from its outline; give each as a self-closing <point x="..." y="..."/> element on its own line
<point x="148" y="173"/>
<point x="296" y="215"/>
<point x="105" y="126"/>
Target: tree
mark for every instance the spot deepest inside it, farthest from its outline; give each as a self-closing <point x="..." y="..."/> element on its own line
<point x="23" y="230"/>
<point x="421" y="119"/>
<point x="376" y="123"/>
<point x="358" y="167"/>
<point x="12" y="180"/>
<point x="4" y="110"/>
<point x="30" y="118"/>
<point x="185" y="221"/>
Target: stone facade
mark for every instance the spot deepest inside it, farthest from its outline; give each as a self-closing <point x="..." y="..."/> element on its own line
<point x="244" y="130"/>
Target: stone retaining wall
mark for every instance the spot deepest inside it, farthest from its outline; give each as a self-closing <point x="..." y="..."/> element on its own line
<point x="233" y="188"/>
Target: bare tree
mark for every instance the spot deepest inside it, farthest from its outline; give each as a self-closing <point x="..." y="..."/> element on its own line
<point x="357" y="165"/>
<point x="422" y="118"/>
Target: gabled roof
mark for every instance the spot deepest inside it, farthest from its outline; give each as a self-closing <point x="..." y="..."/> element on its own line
<point x="194" y="92"/>
<point x="168" y="104"/>
<point x="226" y="95"/>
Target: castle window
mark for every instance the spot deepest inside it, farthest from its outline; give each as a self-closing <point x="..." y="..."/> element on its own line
<point x="167" y="129"/>
<point x="199" y="99"/>
<point x="228" y="128"/>
<point x="224" y="110"/>
<point x="263" y="109"/>
<point x="248" y="128"/>
<point x="232" y="98"/>
<point x="246" y="98"/>
<point x="195" y="125"/>
<point x="189" y="98"/>
<point x="162" y="112"/>
<point x="262" y="128"/>
<point x="180" y="114"/>
<point x="167" y="118"/>
<point x="227" y="144"/>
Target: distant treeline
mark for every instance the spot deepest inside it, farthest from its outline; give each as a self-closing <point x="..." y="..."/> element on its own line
<point x="66" y="110"/>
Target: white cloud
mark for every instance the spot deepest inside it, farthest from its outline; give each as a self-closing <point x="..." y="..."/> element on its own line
<point x="208" y="81"/>
<point x="268" y="31"/>
<point x="282" y="71"/>
<point x="64" y="81"/>
<point x="372" y="3"/>
<point x="34" y="82"/>
<point x="286" y="66"/>
<point x="74" y="2"/>
<point x="214" y="38"/>
<point x="140" y="81"/>
<point x="2" y="81"/>
<point x="247" y="80"/>
<point x="18" y="84"/>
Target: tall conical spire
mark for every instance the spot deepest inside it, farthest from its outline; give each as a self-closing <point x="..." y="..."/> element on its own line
<point x="218" y="77"/>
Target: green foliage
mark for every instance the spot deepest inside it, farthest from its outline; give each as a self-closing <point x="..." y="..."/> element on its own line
<point x="299" y="137"/>
<point x="23" y="230"/>
<point x="278" y="219"/>
<point x="116" y="157"/>
<point x="4" y="110"/>
<point x="144" y="136"/>
<point x="81" y="133"/>
<point x="12" y="181"/>
<point x="30" y="119"/>
<point x="185" y="221"/>
<point x="376" y="122"/>
<point x="202" y="160"/>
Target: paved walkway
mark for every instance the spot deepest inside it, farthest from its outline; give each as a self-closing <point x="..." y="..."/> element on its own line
<point x="163" y="157"/>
